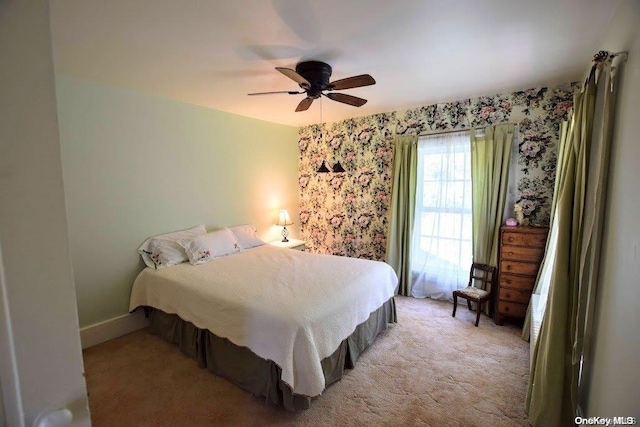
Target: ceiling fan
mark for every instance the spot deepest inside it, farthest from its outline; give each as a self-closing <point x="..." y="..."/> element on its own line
<point x="313" y="79"/>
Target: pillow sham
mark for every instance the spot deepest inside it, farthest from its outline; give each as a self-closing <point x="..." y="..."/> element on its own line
<point x="163" y="250"/>
<point x="205" y="247"/>
<point x="164" y="253"/>
<point x="246" y="236"/>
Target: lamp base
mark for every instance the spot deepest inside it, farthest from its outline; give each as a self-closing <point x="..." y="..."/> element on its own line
<point x="285" y="233"/>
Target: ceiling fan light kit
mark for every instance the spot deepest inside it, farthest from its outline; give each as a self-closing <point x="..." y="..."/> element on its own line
<point x="313" y="78"/>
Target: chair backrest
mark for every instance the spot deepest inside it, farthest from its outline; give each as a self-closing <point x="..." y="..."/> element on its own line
<point x="482" y="273"/>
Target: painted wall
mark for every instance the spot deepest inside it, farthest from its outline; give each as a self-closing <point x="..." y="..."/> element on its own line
<point x="37" y="296"/>
<point x="613" y="376"/>
<point x="137" y="165"/>
<point x="346" y="214"/>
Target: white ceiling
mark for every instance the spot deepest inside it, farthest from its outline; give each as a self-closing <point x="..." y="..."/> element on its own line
<point x="212" y="53"/>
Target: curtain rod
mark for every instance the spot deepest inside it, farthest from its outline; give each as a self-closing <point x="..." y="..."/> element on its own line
<point x="436" y="132"/>
<point x="603" y="55"/>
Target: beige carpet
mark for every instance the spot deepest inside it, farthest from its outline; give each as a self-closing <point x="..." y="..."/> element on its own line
<point x="429" y="369"/>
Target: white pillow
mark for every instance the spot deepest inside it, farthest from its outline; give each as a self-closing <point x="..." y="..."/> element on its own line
<point x="163" y="250"/>
<point x="210" y="246"/>
<point x="246" y="236"/>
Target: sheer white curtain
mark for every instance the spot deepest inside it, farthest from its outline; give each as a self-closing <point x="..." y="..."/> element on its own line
<point x="441" y="248"/>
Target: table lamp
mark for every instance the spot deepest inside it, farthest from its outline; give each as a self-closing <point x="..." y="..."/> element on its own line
<point x="283" y="220"/>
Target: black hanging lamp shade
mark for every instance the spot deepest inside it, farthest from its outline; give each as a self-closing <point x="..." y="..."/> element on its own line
<point x="338" y="168"/>
<point x="323" y="168"/>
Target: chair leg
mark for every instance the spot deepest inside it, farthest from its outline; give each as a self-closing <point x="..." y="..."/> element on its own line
<point x="455" y="305"/>
<point x="469" y="304"/>
<point x="478" y="314"/>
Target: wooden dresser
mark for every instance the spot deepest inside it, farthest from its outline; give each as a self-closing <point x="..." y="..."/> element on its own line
<point x="521" y="252"/>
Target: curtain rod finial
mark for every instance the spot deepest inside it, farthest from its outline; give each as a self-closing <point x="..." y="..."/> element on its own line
<point x="601" y="56"/>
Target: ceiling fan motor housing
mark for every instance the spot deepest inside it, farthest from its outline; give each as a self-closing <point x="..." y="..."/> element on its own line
<point x="317" y="73"/>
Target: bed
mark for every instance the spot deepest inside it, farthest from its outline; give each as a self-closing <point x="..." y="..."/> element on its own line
<point x="280" y="323"/>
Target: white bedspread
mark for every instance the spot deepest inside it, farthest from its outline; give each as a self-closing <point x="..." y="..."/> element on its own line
<point x="288" y="306"/>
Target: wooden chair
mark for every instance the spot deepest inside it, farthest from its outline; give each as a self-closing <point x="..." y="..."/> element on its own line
<point x="478" y="273"/>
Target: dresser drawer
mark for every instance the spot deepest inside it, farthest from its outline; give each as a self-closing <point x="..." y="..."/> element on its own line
<point x="524" y="239"/>
<point x="512" y="309"/>
<point x="516" y="267"/>
<point x="514" y="295"/>
<point x="521" y="253"/>
<point x="517" y="282"/>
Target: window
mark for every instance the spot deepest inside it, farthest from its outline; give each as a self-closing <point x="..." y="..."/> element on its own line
<point x="442" y="248"/>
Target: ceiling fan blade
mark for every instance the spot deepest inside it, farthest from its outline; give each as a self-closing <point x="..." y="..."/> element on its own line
<point x="351" y="82"/>
<point x="290" y="92"/>
<point x="304" y="104"/>
<point x="293" y="75"/>
<point x="346" y="99"/>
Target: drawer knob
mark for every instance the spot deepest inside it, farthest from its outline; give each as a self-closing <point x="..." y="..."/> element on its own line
<point x="510" y="253"/>
<point x="510" y="239"/>
<point x="508" y="294"/>
<point x="508" y="267"/>
<point x="507" y="281"/>
<point x="506" y="309"/>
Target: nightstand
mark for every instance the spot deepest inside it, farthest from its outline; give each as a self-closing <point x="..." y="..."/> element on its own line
<point x="291" y="244"/>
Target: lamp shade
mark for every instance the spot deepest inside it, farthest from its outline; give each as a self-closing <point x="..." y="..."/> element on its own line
<point x="284" y="218"/>
<point x="323" y="168"/>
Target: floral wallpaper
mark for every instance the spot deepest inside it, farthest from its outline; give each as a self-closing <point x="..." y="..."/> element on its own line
<point x="347" y="213"/>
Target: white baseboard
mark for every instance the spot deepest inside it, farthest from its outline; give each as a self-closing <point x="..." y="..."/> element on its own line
<point x="113" y="328"/>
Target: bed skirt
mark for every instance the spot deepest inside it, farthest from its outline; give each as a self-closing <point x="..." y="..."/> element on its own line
<point x="259" y="376"/>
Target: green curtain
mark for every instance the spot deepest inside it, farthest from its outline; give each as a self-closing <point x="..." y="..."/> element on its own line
<point x="402" y="212"/>
<point x="547" y="263"/>
<point x="490" y="155"/>
<point x="552" y="397"/>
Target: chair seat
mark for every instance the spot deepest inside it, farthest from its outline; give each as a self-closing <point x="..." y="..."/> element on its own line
<point x="472" y="292"/>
